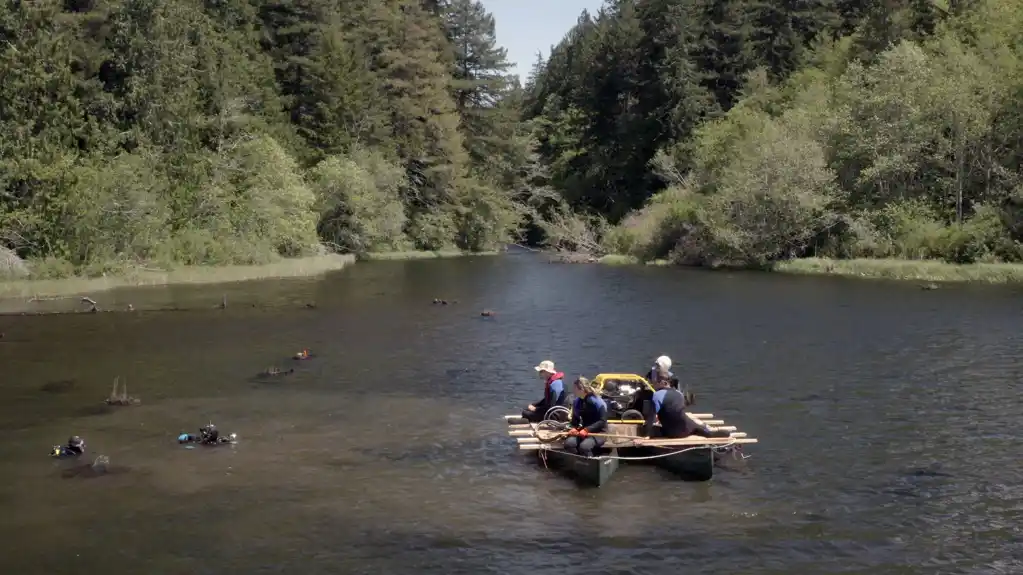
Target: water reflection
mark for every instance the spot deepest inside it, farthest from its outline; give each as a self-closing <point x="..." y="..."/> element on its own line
<point x="885" y="414"/>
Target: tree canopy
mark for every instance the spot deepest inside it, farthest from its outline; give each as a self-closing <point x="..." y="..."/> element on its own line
<point x="238" y="131"/>
<point x="742" y="133"/>
<point x="727" y="132"/>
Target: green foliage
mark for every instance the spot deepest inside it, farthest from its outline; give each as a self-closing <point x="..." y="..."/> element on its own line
<point x="160" y="133"/>
<point x="878" y="130"/>
<point x="359" y="202"/>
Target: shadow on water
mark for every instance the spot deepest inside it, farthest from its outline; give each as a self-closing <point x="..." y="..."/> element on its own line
<point x="885" y="415"/>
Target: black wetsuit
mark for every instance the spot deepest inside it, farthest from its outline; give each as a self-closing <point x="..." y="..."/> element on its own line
<point x="669" y="405"/>
<point x="589" y="414"/>
<point x="652" y="377"/>
<point x="66" y="451"/>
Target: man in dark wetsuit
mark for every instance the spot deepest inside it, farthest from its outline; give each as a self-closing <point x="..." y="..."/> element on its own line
<point x="208" y="435"/>
<point x="553" y="392"/>
<point x="75" y="447"/>
<point x="669" y="406"/>
<point x="589" y="415"/>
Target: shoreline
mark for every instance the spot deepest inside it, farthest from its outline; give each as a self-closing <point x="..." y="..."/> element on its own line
<point x="885" y="269"/>
<point x="420" y="255"/>
<point x="43" y="289"/>
<point x="905" y="270"/>
<point x="878" y="269"/>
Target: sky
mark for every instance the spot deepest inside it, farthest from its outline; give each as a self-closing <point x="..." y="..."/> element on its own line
<point x="525" y="27"/>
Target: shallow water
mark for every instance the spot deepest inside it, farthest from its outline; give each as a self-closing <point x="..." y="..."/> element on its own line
<point x="885" y="415"/>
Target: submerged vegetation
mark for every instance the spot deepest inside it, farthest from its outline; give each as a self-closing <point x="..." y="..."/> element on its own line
<point x="145" y="134"/>
<point x="744" y="134"/>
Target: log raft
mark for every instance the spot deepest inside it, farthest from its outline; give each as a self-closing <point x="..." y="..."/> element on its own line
<point x="690" y="457"/>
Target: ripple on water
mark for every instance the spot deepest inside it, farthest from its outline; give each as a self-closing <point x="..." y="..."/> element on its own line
<point x="886" y="423"/>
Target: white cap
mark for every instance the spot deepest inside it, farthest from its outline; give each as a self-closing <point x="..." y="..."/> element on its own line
<point x="663" y="362"/>
<point x="545" y="365"/>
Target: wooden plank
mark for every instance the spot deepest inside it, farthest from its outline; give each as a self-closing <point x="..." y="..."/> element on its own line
<point x="697" y="420"/>
<point x="693" y="415"/>
<point x="528" y="440"/>
<point x="535" y="446"/>
<point x="628" y="440"/>
<point x="533" y="438"/>
<point x="684" y="442"/>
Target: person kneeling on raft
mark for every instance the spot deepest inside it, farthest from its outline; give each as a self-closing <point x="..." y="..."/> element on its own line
<point x="589" y="416"/>
<point x="669" y="406"/>
<point x="553" y="392"/>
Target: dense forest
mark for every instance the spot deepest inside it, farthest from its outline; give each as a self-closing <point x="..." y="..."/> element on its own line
<point x="149" y="132"/>
<point x="741" y="133"/>
<point x="725" y="132"/>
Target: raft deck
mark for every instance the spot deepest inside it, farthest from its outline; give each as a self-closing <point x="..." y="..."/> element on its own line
<point x="689" y="457"/>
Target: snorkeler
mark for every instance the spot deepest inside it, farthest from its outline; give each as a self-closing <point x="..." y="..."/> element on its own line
<point x="75" y="447"/>
<point x="208" y="435"/>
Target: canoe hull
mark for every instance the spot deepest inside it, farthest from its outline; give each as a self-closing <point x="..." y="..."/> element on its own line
<point x="687" y="463"/>
<point x="587" y="471"/>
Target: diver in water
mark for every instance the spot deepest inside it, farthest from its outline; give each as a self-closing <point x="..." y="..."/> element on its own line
<point x="208" y="435"/>
<point x="75" y="447"/>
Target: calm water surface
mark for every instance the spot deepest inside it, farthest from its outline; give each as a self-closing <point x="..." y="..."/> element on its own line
<point x="887" y="417"/>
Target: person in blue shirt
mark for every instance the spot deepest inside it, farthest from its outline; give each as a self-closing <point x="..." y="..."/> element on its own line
<point x="669" y="406"/>
<point x="553" y="392"/>
<point x="589" y="416"/>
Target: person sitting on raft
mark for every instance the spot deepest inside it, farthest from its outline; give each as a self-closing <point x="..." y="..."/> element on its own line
<point x="662" y="368"/>
<point x="75" y="447"/>
<point x="669" y="406"/>
<point x="208" y="435"/>
<point x="553" y="392"/>
<point x="589" y="415"/>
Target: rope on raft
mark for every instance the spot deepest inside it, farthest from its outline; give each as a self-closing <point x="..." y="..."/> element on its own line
<point x="732" y="447"/>
<point x="620" y="458"/>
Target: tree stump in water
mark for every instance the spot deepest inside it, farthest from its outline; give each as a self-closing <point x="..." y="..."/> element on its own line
<point x="121" y="398"/>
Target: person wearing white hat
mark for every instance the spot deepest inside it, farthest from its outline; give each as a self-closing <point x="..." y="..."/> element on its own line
<point x="662" y="370"/>
<point x="553" y="392"/>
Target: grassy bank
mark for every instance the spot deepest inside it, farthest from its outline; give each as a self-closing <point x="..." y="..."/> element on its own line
<point x="619" y="260"/>
<point x="298" y="267"/>
<point x="422" y="255"/>
<point x="916" y="270"/>
<point x="919" y="270"/>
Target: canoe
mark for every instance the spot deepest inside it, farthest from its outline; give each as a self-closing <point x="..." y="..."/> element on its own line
<point x="688" y="463"/>
<point x="588" y="471"/>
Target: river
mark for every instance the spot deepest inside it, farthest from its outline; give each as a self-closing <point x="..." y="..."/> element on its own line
<point x="886" y="416"/>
